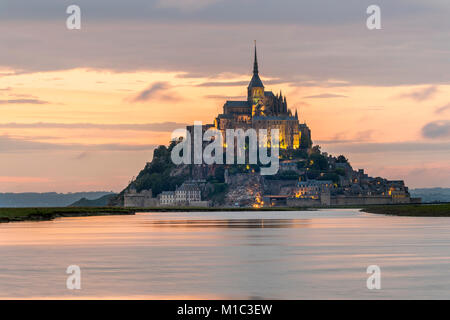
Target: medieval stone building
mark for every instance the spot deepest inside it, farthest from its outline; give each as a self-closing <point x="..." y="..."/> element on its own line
<point x="264" y="110"/>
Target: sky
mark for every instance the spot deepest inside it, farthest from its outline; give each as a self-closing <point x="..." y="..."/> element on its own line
<point x="82" y="110"/>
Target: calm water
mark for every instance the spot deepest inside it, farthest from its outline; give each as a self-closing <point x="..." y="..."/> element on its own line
<point x="298" y="255"/>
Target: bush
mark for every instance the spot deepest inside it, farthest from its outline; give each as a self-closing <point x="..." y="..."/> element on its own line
<point x="342" y="159"/>
<point x="218" y="193"/>
<point x="219" y="174"/>
<point x="312" y="174"/>
<point x="318" y="162"/>
<point x="330" y="176"/>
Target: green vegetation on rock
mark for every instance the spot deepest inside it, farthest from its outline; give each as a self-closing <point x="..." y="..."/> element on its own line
<point x="157" y="175"/>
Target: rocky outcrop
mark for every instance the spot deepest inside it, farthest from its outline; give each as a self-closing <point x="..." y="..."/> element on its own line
<point x="244" y="189"/>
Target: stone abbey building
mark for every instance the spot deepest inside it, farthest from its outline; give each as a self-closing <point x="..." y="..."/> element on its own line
<point x="263" y="110"/>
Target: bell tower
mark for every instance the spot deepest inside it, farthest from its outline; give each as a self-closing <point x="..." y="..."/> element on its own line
<point x="255" y="94"/>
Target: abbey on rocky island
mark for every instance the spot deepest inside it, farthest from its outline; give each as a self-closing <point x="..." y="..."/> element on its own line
<point x="264" y="110"/>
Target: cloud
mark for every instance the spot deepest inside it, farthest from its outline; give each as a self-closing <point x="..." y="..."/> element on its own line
<point x="315" y="45"/>
<point x="343" y="137"/>
<point x="82" y="155"/>
<point x="365" y="135"/>
<point x="185" y="5"/>
<point x="442" y="109"/>
<point x="223" y="97"/>
<point x="300" y="104"/>
<point x="223" y="84"/>
<point x="238" y="83"/>
<point x="151" y="91"/>
<point x="14" y="144"/>
<point x="23" y="101"/>
<point x="417" y="174"/>
<point x="382" y="147"/>
<point x="21" y="179"/>
<point x="325" y="96"/>
<point x="22" y="95"/>
<point x="232" y="11"/>
<point x="326" y="83"/>
<point x="189" y="75"/>
<point x="157" y="90"/>
<point x="421" y="94"/>
<point x="437" y="129"/>
<point x="157" y="126"/>
<point x="375" y="108"/>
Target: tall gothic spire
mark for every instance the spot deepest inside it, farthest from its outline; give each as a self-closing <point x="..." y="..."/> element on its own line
<point x="255" y="82"/>
<point x="255" y="63"/>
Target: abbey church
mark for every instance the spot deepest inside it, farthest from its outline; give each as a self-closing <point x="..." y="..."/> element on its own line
<point x="264" y="110"/>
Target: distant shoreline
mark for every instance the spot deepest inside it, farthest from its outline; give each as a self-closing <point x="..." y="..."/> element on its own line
<point x="47" y="214"/>
<point x="412" y="210"/>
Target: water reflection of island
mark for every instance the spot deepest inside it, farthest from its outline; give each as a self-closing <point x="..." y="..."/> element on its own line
<point x="231" y="223"/>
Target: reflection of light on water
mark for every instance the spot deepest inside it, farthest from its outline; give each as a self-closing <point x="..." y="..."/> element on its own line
<point x="225" y="255"/>
<point x="232" y="223"/>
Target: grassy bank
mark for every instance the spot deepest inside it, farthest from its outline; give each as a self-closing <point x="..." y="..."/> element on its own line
<point x="412" y="210"/>
<point x="37" y="214"/>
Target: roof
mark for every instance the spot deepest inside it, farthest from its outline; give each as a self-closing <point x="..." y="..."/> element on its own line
<point x="276" y="196"/>
<point x="255" y="82"/>
<point x="289" y="161"/>
<point x="274" y="118"/>
<point x="188" y="187"/>
<point x="225" y="116"/>
<point x="230" y="103"/>
<point x="314" y="182"/>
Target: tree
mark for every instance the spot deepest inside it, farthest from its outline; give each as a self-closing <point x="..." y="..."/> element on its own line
<point x="342" y="159"/>
<point x="330" y="176"/>
<point x="318" y="162"/>
<point x="312" y="174"/>
<point x="315" y="149"/>
<point x="219" y="174"/>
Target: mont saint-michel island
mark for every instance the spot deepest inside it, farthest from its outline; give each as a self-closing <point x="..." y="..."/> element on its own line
<point x="306" y="177"/>
<point x="212" y="159"/>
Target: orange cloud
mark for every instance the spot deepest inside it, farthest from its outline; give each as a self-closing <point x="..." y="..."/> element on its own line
<point x="10" y="179"/>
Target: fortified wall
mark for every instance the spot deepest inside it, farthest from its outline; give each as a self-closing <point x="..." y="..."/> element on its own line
<point x="367" y="200"/>
<point x="141" y="199"/>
